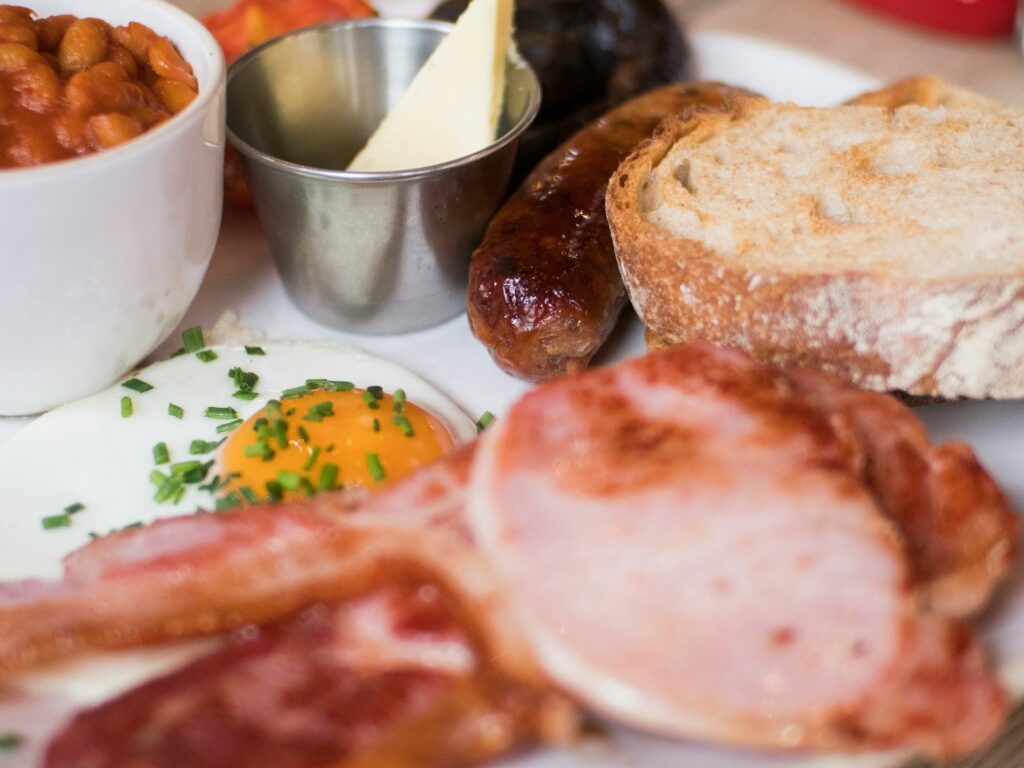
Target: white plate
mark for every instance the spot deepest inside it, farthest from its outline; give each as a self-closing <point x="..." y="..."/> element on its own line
<point x="242" y="279"/>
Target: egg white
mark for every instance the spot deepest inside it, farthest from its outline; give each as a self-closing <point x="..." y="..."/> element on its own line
<point x="86" y="452"/>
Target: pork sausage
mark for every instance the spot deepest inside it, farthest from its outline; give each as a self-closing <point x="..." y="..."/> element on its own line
<point x="544" y="287"/>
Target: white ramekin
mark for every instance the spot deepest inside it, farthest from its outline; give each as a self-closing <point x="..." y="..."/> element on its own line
<point x="100" y="256"/>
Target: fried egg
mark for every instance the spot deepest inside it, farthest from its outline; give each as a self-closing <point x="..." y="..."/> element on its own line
<point x="222" y="427"/>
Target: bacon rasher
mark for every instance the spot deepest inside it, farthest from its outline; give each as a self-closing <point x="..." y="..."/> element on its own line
<point x="687" y="542"/>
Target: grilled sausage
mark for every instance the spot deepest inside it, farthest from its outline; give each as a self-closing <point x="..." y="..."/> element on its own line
<point x="544" y="287"/>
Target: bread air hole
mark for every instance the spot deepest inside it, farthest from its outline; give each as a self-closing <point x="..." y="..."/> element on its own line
<point x="684" y="176"/>
<point x="831" y="206"/>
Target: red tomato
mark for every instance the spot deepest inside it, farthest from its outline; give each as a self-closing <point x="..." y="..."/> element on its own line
<point x="980" y="18"/>
<point x="248" y="23"/>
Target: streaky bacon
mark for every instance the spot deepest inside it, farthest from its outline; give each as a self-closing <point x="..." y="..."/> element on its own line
<point x="961" y="534"/>
<point x="765" y="490"/>
<point x="388" y="678"/>
<point x="209" y="573"/>
<point x="431" y="498"/>
<point x="693" y="547"/>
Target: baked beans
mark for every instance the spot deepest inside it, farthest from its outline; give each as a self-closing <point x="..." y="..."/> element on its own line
<point x="71" y="86"/>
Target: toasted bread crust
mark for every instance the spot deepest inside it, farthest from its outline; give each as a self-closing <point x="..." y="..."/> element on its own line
<point x="925" y="91"/>
<point x="948" y="338"/>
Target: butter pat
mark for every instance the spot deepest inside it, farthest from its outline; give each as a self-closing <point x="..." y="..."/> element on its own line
<point x="451" y="108"/>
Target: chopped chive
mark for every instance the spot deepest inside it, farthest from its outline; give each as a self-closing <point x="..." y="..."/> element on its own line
<point x="127" y="409"/>
<point x="303" y="434"/>
<point x="339" y="386"/>
<point x="219" y="482"/>
<point x="376" y="391"/>
<point x="216" y="484"/>
<point x="10" y="740"/>
<point x="403" y="424"/>
<point x="294" y="392"/>
<point x="240" y="395"/>
<point x="196" y="474"/>
<point x="168" y="488"/>
<point x="63" y="520"/>
<point x="261" y="450"/>
<point x="289" y="480"/>
<point x="230" y="501"/>
<point x="312" y="459"/>
<point x="247" y="494"/>
<point x="375" y="467"/>
<point x="290" y="412"/>
<point x="221" y="412"/>
<point x="280" y="431"/>
<point x="376" y="425"/>
<point x="319" y="411"/>
<point x="245" y="380"/>
<point x="206" y="355"/>
<point x="316" y="383"/>
<point x="330" y="448"/>
<point x="175" y="410"/>
<point x="307" y="486"/>
<point x="484" y="421"/>
<point x="192" y="338"/>
<point x="73" y="508"/>
<point x="160" y="454"/>
<point x="181" y="467"/>
<point x="328" y="477"/>
<point x="230" y="426"/>
<point x="255" y="350"/>
<point x="199" y="447"/>
<point x="179" y="494"/>
<point x="133" y="526"/>
<point x="157" y="478"/>
<point x="274" y="490"/>
<point x="137" y="385"/>
<point x="370" y="400"/>
<point x="178" y="352"/>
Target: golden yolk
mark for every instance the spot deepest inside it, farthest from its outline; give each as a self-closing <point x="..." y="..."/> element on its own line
<point x="368" y="446"/>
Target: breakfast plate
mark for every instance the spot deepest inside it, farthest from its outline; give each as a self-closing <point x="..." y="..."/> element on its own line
<point x="242" y="281"/>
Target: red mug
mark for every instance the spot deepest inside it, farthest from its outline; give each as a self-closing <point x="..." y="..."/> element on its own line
<point x="977" y="18"/>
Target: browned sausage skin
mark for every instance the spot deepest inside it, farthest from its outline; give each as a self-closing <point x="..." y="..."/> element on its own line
<point x="544" y="288"/>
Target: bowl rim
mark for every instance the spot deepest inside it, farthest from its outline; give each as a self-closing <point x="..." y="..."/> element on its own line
<point x="161" y="133"/>
<point x="409" y="174"/>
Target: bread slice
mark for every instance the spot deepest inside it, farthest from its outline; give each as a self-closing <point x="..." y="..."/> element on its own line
<point x="924" y="91"/>
<point x="881" y="244"/>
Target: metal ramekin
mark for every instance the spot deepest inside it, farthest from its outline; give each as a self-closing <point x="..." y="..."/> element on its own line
<point x="366" y="252"/>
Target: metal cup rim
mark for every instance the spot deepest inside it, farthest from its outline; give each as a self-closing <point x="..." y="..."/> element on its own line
<point x="384" y="176"/>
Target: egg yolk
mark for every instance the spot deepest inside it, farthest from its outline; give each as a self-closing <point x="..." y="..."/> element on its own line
<point x="326" y="440"/>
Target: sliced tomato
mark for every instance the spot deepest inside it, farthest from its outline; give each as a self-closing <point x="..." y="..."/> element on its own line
<point x="248" y="23"/>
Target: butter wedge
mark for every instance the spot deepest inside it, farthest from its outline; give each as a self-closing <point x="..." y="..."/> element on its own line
<point x="451" y="108"/>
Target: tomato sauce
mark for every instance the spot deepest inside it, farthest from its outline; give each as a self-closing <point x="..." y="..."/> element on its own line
<point x="71" y="86"/>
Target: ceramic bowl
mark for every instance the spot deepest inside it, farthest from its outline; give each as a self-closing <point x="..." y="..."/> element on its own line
<point x="103" y="254"/>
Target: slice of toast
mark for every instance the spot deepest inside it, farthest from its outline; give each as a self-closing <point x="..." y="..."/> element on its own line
<point x="924" y="91"/>
<point x="881" y="241"/>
